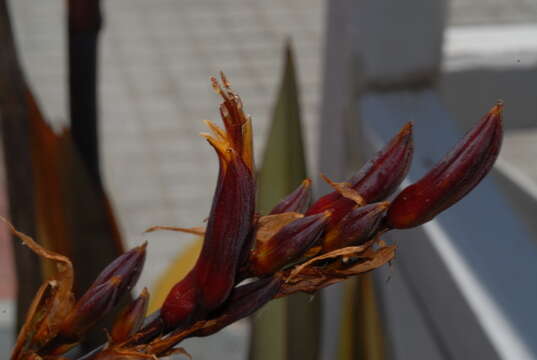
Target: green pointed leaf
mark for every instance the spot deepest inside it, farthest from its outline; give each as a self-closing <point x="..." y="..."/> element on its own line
<point x="288" y="328"/>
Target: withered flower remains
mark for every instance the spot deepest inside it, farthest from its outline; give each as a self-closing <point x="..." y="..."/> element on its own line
<point x="294" y="248"/>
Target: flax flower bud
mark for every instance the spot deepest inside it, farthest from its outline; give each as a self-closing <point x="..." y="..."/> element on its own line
<point x="127" y="267"/>
<point x="376" y="180"/>
<point x="231" y="219"/>
<point x="297" y="201"/>
<point x="356" y="227"/>
<point x="131" y="318"/>
<point x="90" y="308"/>
<point x="287" y="244"/>
<point x="452" y="178"/>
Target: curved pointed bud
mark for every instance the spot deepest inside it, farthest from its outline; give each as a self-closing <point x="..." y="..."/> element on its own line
<point x="126" y="267"/>
<point x="451" y="179"/>
<point x="228" y="228"/>
<point x="231" y="219"/>
<point x="287" y="245"/>
<point x="90" y="308"/>
<point x="297" y="201"/>
<point x="381" y="176"/>
<point x="131" y="318"/>
<point x="376" y="180"/>
<point x="358" y="226"/>
<point x="181" y="303"/>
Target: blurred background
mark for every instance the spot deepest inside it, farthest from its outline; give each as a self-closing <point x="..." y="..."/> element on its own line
<point x="356" y="66"/>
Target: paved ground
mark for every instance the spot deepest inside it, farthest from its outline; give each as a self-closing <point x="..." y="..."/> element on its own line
<point x="156" y="59"/>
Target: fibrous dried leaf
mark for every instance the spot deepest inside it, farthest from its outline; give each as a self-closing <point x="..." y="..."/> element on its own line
<point x="51" y="304"/>
<point x="345" y="189"/>
<point x="310" y="278"/>
<point x="197" y="230"/>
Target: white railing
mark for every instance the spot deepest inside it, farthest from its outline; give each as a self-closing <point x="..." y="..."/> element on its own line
<point x="463" y="286"/>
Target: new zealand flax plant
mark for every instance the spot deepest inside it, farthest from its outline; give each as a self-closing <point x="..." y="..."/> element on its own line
<point x="248" y="259"/>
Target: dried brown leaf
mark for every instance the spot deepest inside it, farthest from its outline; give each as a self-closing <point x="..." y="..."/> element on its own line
<point x="51" y="304"/>
<point x="197" y="230"/>
<point x="346" y="251"/>
<point x="310" y="278"/>
<point x="345" y="189"/>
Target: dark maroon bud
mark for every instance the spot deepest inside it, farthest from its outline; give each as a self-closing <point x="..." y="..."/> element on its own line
<point x="90" y="308"/>
<point x="297" y="201"/>
<point x="287" y="245"/>
<point x="452" y="178"/>
<point x="127" y="267"/>
<point x="358" y="226"/>
<point x="376" y="180"/>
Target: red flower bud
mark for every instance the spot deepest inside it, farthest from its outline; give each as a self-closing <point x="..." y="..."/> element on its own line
<point x="381" y="176"/>
<point x="451" y="179"/>
<point x="376" y="179"/>
<point x="181" y="304"/>
<point x="287" y="244"/>
<point x="356" y="227"/>
<point x="126" y="267"/>
<point x="297" y="201"/>
<point x="90" y="308"/>
<point x="231" y="219"/>
<point x="131" y="318"/>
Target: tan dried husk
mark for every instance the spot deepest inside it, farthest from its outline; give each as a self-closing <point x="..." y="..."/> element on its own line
<point x="51" y="304"/>
<point x="345" y="189"/>
<point x="268" y="226"/>
<point x="309" y="277"/>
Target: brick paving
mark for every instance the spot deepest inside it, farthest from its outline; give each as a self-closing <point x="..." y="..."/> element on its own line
<point x="156" y="59"/>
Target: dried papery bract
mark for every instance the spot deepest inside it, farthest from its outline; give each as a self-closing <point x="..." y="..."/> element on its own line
<point x="310" y="277"/>
<point x="51" y="304"/>
<point x="287" y="245"/>
<point x="452" y="178"/>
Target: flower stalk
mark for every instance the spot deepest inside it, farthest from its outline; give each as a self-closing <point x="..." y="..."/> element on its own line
<point x="295" y="248"/>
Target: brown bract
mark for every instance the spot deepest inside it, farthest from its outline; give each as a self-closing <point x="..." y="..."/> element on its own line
<point x="350" y="261"/>
<point x="453" y="177"/>
<point x="51" y="304"/>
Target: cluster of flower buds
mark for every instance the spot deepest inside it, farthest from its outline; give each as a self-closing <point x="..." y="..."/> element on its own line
<point x="248" y="259"/>
<point x="55" y="322"/>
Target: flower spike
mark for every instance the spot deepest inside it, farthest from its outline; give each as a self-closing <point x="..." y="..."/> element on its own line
<point x="452" y="178"/>
<point x="230" y="222"/>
